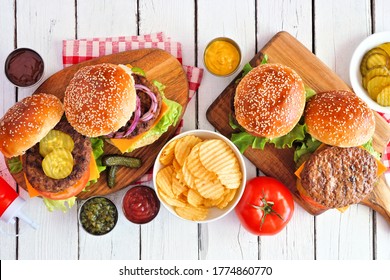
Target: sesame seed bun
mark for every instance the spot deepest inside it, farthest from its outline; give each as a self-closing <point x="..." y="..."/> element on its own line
<point x="27" y="122"/>
<point x="339" y="118"/>
<point x="269" y="100"/>
<point x="100" y="99"/>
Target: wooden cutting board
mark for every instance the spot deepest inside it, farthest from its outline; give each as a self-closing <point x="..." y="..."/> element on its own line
<point x="284" y="48"/>
<point x="158" y="65"/>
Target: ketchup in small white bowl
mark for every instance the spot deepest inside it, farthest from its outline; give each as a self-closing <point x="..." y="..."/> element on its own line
<point x="140" y="204"/>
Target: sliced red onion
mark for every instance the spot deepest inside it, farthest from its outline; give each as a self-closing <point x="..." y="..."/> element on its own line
<point x="128" y="129"/>
<point x="153" y="107"/>
<point x="135" y="120"/>
<point x="146" y="117"/>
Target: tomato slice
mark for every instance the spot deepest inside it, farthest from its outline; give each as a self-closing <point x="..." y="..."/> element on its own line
<point x="266" y="206"/>
<point x="69" y="192"/>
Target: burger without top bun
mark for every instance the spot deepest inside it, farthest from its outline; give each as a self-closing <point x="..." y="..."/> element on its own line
<point x="120" y="105"/>
<point x="55" y="158"/>
<point x="343" y="171"/>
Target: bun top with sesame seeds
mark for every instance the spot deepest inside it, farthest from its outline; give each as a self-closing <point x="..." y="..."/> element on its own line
<point x="100" y="99"/>
<point x="339" y="118"/>
<point x="27" y="122"/>
<point x="269" y="100"/>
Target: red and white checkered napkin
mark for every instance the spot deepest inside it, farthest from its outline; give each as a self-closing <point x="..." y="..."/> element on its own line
<point x="386" y="153"/>
<point x="75" y="51"/>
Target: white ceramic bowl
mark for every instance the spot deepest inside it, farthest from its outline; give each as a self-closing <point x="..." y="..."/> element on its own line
<point x="214" y="212"/>
<point x="354" y="68"/>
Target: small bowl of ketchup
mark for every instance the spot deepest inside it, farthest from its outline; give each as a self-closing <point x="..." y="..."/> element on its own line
<point x="24" y="67"/>
<point x="140" y="204"/>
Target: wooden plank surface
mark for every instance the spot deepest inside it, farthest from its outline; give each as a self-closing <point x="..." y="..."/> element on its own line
<point x="357" y="234"/>
<point x="7" y="98"/>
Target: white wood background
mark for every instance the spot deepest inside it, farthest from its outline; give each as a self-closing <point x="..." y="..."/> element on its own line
<point x="330" y="28"/>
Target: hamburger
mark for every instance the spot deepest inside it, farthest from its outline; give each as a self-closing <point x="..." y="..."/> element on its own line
<point x="56" y="159"/>
<point x="342" y="169"/>
<point x="269" y="101"/>
<point x="268" y="105"/>
<point x="123" y="106"/>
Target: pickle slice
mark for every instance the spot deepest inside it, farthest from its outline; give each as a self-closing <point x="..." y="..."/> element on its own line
<point x="363" y="64"/>
<point x="383" y="97"/>
<point x="385" y="47"/>
<point x="53" y="140"/>
<point x="376" y="85"/>
<point x="58" y="164"/>
<point x="377" y="59"/>
<point x="377" y="71"/>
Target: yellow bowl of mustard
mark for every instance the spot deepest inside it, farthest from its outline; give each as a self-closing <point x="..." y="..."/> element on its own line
<point x="222" y="56"/>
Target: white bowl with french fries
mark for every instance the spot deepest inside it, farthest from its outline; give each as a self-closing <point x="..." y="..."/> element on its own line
<point x="199" y="176"/>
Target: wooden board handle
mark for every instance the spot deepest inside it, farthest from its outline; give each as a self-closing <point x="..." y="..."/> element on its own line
<point x="379" y="199"/>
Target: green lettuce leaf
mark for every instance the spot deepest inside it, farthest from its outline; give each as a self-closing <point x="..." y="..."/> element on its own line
<point x="160" y="87"/>
<point x="298" y="133"/>
<point x="62" y="205"/>
<point x="303" y="151"/>
<point x="233" y="124"/>
<point x="265" y="59"/>
<point x="246" y="69"/>
<point x="242" y="140"/>
<point x="309" y="92"/>
<point x="97" y="150"/>
<point x="138" y="71"/>
<point x="259" y="143"/>
<point x="368" y="146"/>
<point x="15" y="165"/>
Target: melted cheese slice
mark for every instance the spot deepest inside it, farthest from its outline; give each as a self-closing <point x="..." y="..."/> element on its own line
<point x="93" y="169"/>
<point x="31" y="191"/>
<point x="124" y="145"/>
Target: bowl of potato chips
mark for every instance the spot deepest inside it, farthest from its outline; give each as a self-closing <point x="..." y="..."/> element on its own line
<point x="199" y="176"/>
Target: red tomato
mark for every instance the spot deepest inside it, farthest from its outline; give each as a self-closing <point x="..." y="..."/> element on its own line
<point x="265" y="207"/>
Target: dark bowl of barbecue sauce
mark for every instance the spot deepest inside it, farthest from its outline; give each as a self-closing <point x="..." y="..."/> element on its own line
<point x="24" y="67"/>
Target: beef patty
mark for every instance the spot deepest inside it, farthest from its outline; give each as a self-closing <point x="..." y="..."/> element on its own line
<point x="336" y="177"/>
<point x="32" y="162"/>
<point x="145" y="105"/>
